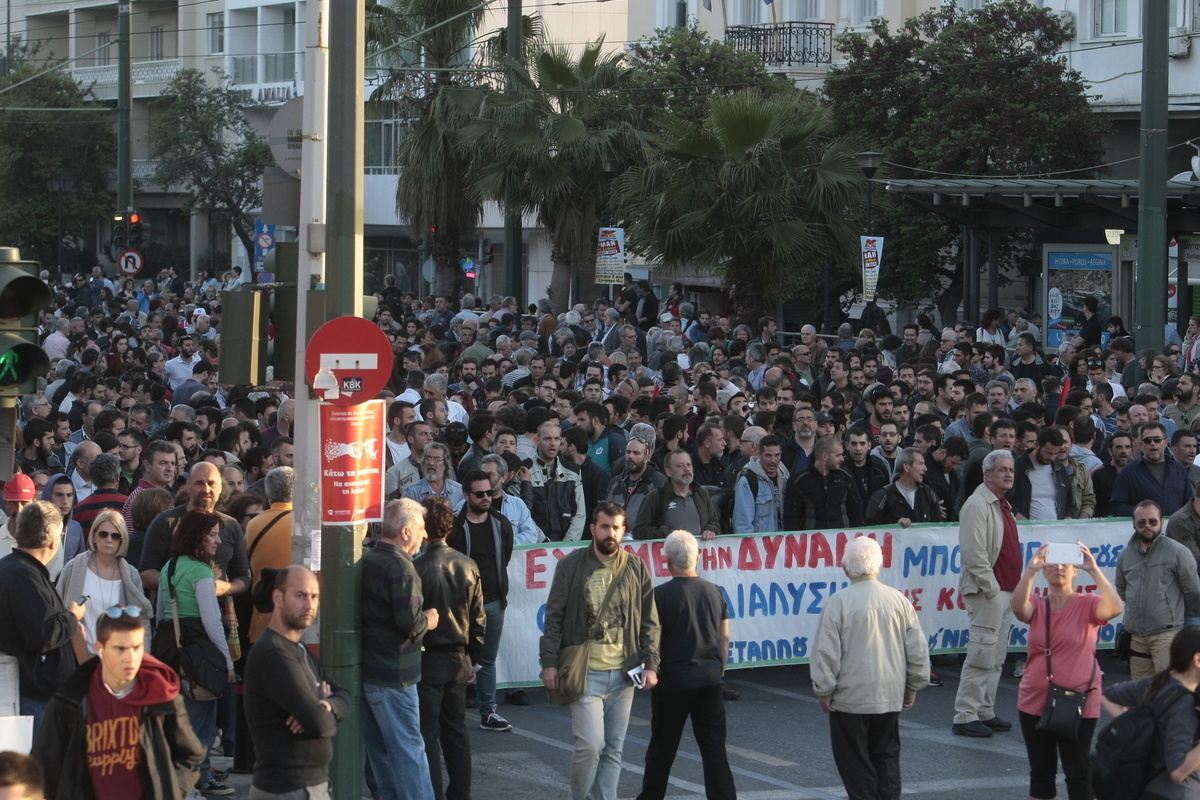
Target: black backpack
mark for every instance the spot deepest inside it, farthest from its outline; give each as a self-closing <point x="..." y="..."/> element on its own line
<point x="1121" y="759"/>
<point x="723" y="501"/>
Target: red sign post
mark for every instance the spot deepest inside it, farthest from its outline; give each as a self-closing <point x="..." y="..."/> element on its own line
<point x="348" y="360"/>
<point x="352" y="463"/>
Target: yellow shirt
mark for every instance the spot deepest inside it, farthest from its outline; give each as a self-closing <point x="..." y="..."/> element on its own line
<point x="607" y="652"/>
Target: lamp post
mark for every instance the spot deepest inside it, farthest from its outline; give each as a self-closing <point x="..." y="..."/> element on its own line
<point x="869" y="161"/>
<point x="60" y="185"/>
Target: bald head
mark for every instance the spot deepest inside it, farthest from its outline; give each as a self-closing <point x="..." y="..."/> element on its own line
<point x="204" y="486"/>
<point x="82" y="457"/>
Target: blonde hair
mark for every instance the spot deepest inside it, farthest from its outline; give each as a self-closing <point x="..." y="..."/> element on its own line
<point x="118" y="521"/>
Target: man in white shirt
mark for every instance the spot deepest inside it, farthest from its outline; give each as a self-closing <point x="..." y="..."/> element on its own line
<point x="179" y="368"/>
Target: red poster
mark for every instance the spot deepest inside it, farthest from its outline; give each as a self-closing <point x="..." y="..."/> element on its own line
<point x="352" y="463"/>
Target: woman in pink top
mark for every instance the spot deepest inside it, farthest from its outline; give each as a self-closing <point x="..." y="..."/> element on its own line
<point x="1075" y="618"/>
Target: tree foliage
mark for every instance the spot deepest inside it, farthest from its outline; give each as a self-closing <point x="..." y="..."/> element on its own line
<point x="550" y="141"/>
<point x="204" y="142"/>
<point x="952" y="94"/>
<point x="36" y="146"/>
<point x="680" y="70"/>
<point x="759" y="191"/>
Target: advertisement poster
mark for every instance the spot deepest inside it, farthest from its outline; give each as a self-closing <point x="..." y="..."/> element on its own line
<point x="1072" y="275"/>
<point x="776" y="584"/>
<point x="872" y="255"/>
<point x="352" y="463"/>
<point x="610" y="257"/>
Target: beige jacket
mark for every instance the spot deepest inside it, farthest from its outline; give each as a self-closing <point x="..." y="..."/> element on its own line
<point x="869" y="650"/>
<point x="980" y="533"/>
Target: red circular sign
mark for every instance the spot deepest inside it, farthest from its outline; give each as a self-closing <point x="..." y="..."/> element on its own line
<point x="1171" y="289"/>
<point x="358" y="356"/>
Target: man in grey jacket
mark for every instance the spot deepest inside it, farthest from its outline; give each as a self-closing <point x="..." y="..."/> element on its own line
<point x="869" y="660"/>
<point x="1156" y="577"/>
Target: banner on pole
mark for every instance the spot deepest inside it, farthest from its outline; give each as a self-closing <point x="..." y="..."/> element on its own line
<point x="776" y="585"/>
<point x="872" y="254"/>
<point x="352" y="463"/>
<point x="610" y="257"/>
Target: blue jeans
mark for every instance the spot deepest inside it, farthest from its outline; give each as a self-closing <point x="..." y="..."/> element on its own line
<point x="599" y="720"/>
<point x="29" y="707"/>
<point x="392" y="739"/>
<point x="203" y="715"/>
<point x="485" y="680"/>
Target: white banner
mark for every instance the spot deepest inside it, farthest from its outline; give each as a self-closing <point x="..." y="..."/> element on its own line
<point x="872" y="255"/>
<point x="776" y="585"/>
<point x="610" y="256"/>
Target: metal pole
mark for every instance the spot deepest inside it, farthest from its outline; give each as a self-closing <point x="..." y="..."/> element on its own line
<point x="124" y="103"/>
<point x="1150" y="304"/>
<point x="993" y="269"/>
<point x="681" y="14"/>
<point x="870" y="315"/>
<point x="513" y="261"/>
<point x="341" y="546"/>
<point x="61" y="232"/>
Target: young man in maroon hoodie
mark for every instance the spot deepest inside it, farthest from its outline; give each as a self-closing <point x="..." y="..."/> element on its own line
<point x="117" y="728"/>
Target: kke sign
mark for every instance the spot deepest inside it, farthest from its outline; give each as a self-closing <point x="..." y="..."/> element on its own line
<point x="352" y="463"/>
<point x="348" y="361"/>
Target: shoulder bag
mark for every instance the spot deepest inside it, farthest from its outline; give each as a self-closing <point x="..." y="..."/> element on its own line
<point x="573" y="658"/>
<point x="1064" y="707"/>
<point x="199" y="662"/>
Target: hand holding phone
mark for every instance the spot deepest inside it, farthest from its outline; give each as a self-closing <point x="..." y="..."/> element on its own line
<point x="1068" y="553"/>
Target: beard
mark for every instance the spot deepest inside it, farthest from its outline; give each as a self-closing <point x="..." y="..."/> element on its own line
<point x="607" y="547"/>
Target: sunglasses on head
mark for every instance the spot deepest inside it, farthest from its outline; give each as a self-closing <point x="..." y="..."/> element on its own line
<point x="116" y="612"/>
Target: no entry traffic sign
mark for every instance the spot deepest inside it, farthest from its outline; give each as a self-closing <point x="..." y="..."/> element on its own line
<point x="348" y="360"/>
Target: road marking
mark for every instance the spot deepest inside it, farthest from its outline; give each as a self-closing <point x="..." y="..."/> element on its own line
<point x="806" y="698"/>
<point x="762" y="758"/>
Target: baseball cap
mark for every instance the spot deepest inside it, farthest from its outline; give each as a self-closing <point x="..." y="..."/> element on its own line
<point x="19" y="489"/>
<point x="878" y="392"/>
<point x="824" y="418"/>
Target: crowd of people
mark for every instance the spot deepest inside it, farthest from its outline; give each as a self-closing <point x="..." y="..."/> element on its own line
<point x="148" y="543"/>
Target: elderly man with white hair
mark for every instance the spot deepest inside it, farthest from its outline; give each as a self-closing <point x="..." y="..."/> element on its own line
<point x="694" y="649"/>
<point x="869" y="660"/>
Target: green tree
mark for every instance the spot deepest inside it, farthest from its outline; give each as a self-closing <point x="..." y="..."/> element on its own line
<point x="679" y="70"/>
<point x="954" y="94"/>
<point x="203" y="141"/>
<point x="552" y="142"/>
<point x="758" y="193"/>
<point x="38" y="145"/>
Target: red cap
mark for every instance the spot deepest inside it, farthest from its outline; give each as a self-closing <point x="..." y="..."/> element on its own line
<point x="19" y="489"/>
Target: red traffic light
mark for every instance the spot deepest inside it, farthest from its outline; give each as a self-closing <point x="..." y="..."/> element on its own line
<point x="135" y="217"/>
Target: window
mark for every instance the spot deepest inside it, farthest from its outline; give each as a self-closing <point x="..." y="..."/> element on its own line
<point x="749" y="11"/>
<point x="865" y="11"/>
<point x="1112" y="17"/>
<point x="972" y="5"/>
<point x="104" y="53"/>
<point x="216" y="33"/>
<point x="810" y="9"/>
<point x="382" y="139"/>
<point x="155" y="50"/>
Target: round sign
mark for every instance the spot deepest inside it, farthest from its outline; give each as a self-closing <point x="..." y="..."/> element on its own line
<point x="266" y="277"/>
<point x="348" y="360"/>
<point x="130" y="262"/>
<point x="265" y="240"/>
<point x="1171" y="289"/>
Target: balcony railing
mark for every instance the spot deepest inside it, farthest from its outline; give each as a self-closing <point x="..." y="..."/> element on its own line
<point x="785" y="44"/>
<point x="143" y="72"/>
<point x="280" y="67"/>
<point x="244" y="69"/>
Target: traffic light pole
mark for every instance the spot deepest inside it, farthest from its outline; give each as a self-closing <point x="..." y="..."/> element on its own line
<point x="513" y="277"/>
<point x="124" y="104"/>
<point x="341" y="545"/>
<point x="1150" y="292"/>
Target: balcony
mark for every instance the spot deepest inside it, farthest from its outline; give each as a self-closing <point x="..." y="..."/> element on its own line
<point x="785" y="44"/>
<point x="149" y="78"/>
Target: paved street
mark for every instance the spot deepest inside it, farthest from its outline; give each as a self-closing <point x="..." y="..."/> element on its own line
<point x="778" y="746"/>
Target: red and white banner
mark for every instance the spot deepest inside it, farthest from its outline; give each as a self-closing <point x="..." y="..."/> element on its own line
<point x="352" y="463"/>
<point x="872" y="254"/>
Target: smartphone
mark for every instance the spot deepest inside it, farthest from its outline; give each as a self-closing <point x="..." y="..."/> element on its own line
<point x="82" y="599"/>
<point x="635" y="675"/>
<point x="1064" y="553"/>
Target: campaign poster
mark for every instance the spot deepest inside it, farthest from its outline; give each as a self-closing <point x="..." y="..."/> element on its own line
<point x="872" y="255"/>
<point x="352" y="461"/>
<point x="1073" y="272"/>
<point x="610" y="257"/>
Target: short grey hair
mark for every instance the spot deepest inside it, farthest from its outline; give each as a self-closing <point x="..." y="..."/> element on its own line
<point x="644" y="432"/>
<point x="1032" y="384"/>
<point x="907" y="457"/>
<point x="995" y="457"/>
<point x="862" y="557"/>
<point x="992" y="384"/>
<point x="105" y="470"/>
<point x="400" y="514"/>
<point x="501" y="464"/>
<point x="681" y="550"/>
<point x="438" y="383"/>
<point x="279" y="484"/>
<point x="686" y="310"/>
<point x="39" y="525"/>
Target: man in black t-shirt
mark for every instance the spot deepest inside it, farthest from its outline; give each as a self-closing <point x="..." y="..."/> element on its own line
<point x="695" y="647"/>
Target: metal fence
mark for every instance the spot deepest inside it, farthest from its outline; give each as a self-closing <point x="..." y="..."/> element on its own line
<point x="785" y="44"/>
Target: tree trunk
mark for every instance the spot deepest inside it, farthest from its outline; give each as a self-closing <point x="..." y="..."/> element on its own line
<point x="559" y="290"/>
<point x="245" y="237"/>
<point x="952" y="296"/>
<point x="751" y="300"/>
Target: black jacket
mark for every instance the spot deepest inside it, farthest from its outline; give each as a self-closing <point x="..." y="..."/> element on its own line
<point x="816" y="502"/>
<point x="35" y="626"/>
<point x="450" y="583"/>
<point x="1021" y="494"/>
<point x="171" y="751"/>
<point x="947" y="487"/>
<point x="888" y="506"/>
<point x="870" y="477"/>
<point x="619" y="493"/>
<point x="502" y="533"/>
<point x="649" y="523"/>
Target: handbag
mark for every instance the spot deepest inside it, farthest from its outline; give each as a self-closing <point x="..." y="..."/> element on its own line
<point x="573" y="658"/>
<point x="1064" y="707"/>
<point x="198" y="660"/>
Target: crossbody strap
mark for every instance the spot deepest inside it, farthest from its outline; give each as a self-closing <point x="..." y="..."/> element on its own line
<point x="262" y="534"/>
<point x="174" y="603"/>
<point x="1049" y="670"/>
<point x="612" y="588"/>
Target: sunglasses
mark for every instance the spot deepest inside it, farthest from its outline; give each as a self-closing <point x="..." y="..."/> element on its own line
<point x="116" y="612"/>
<point x="1151" y="439"/>
<point x="481" y="495"/>
<point x="109" y="535"/>
<point x="1095" y="364"/>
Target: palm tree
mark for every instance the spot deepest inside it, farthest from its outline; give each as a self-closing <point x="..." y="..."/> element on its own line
<point x="760" y="192"/>
<point x="550" y="142"/>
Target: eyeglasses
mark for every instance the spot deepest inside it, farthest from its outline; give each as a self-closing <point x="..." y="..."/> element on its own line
<point x="481" y="495"/>
<point x="109" y="535"/>
<point x="1095" y="363"/>
<point x="1172" y="352"/>
<point x="1151" y="439"/>
<point x="116" y="612"/>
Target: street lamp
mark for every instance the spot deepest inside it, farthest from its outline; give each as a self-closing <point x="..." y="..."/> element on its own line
<point x="61" y="184"/>
<point x="869" y="161"/>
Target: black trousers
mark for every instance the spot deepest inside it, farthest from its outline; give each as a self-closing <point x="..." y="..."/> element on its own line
<point x="1046" y="751"/>
<point x="866" y="749"/>
<point x="442" y="694"/>
<point x="669" y="712"/>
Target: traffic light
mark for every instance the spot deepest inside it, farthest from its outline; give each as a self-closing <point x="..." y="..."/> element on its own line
<point x="22" y="296"/>
<point x="120" y="236"/>
<point x="137" y="229"/>
<point x="489" y="255"/>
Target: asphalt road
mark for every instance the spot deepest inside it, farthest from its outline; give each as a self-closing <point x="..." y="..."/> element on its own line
<point x="778" y="746"/>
